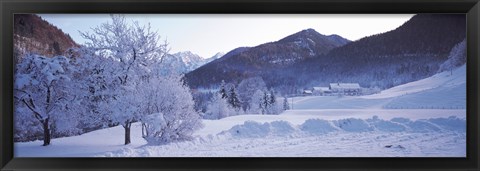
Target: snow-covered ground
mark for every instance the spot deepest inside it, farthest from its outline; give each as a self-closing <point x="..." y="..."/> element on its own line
<point x="426" y="118"/>
<point x="273" y="136"/>
<point x="88" y="144"/>
<point x="446" y="90"/>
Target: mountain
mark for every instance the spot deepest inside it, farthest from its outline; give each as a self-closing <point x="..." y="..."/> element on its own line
<point x="214" y="57"/>
<point x="190" y="60"/>
<point x="245" y="62"/>
<point x="32" y="34"/>
<point x="291" y="49"/>
<point x="338" y="39"/>
<point x="183" y="62"/>
<point x="413" y="51"/>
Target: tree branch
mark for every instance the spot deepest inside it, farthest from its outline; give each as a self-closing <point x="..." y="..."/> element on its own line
<point x="32" y="108"/>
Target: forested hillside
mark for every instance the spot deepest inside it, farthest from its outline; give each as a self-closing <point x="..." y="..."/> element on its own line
<point x="32" y="34"/>
<point x="411" y="52"/>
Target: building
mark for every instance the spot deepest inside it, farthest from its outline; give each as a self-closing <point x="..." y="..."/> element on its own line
<point x="307" y="92"/>
<point x="351" y="89"/>
<point x="321" y="91"/>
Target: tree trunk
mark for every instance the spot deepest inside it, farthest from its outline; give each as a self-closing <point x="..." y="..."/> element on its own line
<point x="144" y="130"/>
<point x="127" y="133"/>
<point x="46" y="133"/>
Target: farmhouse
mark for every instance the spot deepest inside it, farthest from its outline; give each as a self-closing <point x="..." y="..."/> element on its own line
<point x="351" y="89"/>
<point x="307" y="92"/>
<point x="321" y="91"/>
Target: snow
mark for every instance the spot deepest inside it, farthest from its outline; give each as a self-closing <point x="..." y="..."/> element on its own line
<point x="88" y="144"/>
<point x="22" y="80"/>
<point x="446" y="90"/>
<point x="441" y="80"/>
<point x="250" y="129"/>
<point x="353" y="125"/>
<point x="345" y="86"/>
<point x="398" y="122"/>
<point x="288" y="134"/>
<point x="298" y="117"/>
<point x="314" y="138"/>
<point x="364" y="144"/>
<point x="317" y="126"/>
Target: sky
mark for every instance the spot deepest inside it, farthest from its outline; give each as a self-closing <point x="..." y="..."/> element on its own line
<point x="208" y="34"/>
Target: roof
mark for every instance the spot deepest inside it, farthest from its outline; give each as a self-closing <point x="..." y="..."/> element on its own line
<point x="345" y="85"/>
<point x="307" y="91"/>
<point x="321" y="88"/>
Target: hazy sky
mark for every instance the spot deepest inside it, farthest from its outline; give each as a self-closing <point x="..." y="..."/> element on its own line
<point x="207" y="34"/>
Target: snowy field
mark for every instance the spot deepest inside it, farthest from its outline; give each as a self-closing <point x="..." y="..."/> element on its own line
<point x="426" y="118"/>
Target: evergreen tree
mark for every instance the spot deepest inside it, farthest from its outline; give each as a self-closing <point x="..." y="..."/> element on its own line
<point x="265" y="103"/>
<point x="223" y="92"/>
<point x="272" y="98"/>
<point x="233" y="99"/>
<point x="285" y="104"/>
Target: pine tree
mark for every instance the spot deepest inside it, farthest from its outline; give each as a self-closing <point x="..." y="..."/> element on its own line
<point x="233" y="99"/>
<point x="285" y="104"/>
<point x="272" y="98"/>
<point x="223" y="92"/>
<point x="265" y="103"/>
<point x="271" y="103"/>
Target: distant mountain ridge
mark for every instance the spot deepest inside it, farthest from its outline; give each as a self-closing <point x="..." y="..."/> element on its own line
<point x="214" y="57"/>
<point x="413" y="51"/>
<point x="338" y="39"/>
<point x="190" y="60"/>
<point x="244" y="62"/>
<point x="185" y="61"/>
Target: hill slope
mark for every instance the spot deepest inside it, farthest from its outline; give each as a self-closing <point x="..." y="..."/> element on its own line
<point x="445" y="90"/>
<point x="411" y="52"/>
<point x="242" y="63"/>
<point x="32" y="34"/>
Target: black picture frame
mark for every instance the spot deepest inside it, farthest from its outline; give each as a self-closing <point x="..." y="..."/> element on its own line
<point x="10" y="7"/>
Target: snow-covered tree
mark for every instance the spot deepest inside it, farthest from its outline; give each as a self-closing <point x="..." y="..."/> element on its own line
<point x="133" y="48"/>
<point x="271" y="104"/>
<point x="256" y="105"/>
<point x="247" y="88"/>
<point x="169" y="115"/>
<point x="218" y="108"/>
<point x="91" y="85"/>
<point x="456" y="58"/>
<point x="273" y="98"/>
<point x="265" y="103"/>
<point x="26" y="126"/>
<point x="223" y="90"/>
<point x="42" y="85"/>
<point x="233" y="100"/>
<point x="286" y="106"/>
